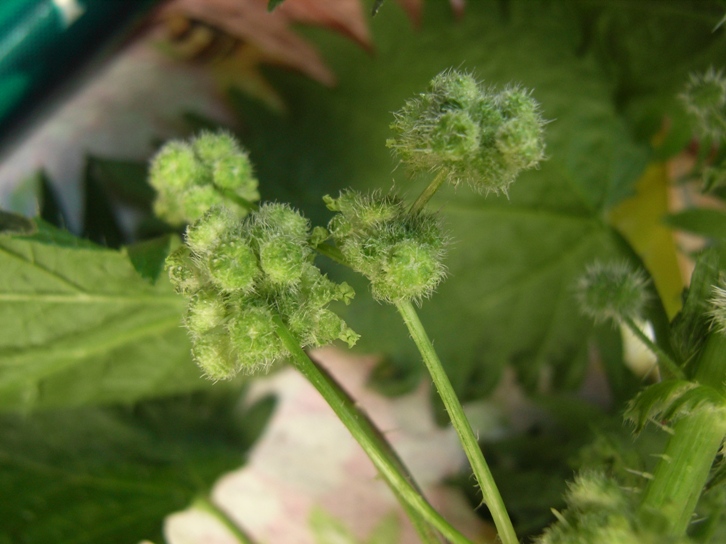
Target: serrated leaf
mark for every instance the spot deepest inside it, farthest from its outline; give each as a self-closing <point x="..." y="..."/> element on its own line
<point x="110" y="475"/>
<point x="690" y="327"/>
<point x="509" y="295"/>
<point x="672" y="399"/>
<point x="81" y="326"/>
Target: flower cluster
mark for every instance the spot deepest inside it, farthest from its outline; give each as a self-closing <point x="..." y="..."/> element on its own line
<point x="192" y="177"/>
<point x="705" y="99"/>
<point x="242" y="276"/>
<point x="612" y="291"/>
<point x="470" y="133"/>
<point x="401" y="254"/>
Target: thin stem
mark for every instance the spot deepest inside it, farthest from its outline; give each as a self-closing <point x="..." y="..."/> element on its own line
<point x="205" y="504"/>
<point x="667" y="365"/>
<point x="491" y="496"/>
<point x="370" y="439"/>
<point x="332" y="252"/>
<point x="243" y="202"/>
<point x="427" y="193"/>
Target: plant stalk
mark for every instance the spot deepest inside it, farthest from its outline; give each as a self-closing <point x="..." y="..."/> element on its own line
<point x="373" y="443"/>
<point x="427" y="193"/>
<point x="667" y="365"/>
<point x="681" y="474"/>
<point x="490" y="493"/>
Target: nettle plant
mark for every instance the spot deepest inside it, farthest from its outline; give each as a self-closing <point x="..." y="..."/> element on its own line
<point x="256" y="296"/>
<point x="488" y="216"/>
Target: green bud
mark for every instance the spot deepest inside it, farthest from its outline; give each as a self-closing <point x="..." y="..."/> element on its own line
<point x="612" y="291"/>
<point x="233" y="266"/>
<point x="470" y="133"/>
<point x="282" y="260"/>
<point x="210" y="147"/>
<point x="184" y="274"/>
<point x="276" y="219"/>
<point x="205" y="311"/>
<point x="175" y="167"/>
<point x="207" y="232"/>
<point x="411" y="271"/>
<point x="253" y="335"/>
<point x="212" y="352"/>
<point x="198" y="200"/>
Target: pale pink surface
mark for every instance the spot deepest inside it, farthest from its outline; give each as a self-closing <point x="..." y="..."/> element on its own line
<point x="306" y="459"/>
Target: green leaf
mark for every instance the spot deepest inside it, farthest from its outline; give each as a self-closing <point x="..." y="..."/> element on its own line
<point x="124" y="179"/>
<point x="110" y="475"/>
<point x="12" y="223"/>
<point x="99" y="217"/>
<point x="692" y="325"/>
<point x="513" y="263"/>
<point x="80" y="326"/>
<point x="703" y="221"/>
<point x="148" y="257"/>
<point x="50" y="209"/>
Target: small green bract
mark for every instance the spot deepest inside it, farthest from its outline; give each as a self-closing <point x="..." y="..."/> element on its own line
<point x="470" y="133"/>
<point x="240" y="276"/>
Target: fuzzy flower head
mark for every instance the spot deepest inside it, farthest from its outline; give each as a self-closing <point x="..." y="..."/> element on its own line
<point x="192" y="177"/>
<point x="612" y="291"/>
<point x="243" y="275"/>
<point x="470" y="133"/>
<point x="705" y="100"/>
<point x="399" y="253"/>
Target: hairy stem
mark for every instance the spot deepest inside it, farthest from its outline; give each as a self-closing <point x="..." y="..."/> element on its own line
<point x="490" y="494"/>
<point x="427" y="193"/>
<point x="205" y="504"/>
<point x="373" y="443"/>
<point x="681" y="474"/>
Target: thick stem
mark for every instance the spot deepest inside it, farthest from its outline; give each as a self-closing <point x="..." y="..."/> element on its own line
<point x="427" y="193"/>
<point x="205" y="504"/>
<point x="373" y="443"/>
<point x="667" y="365"/>
<point x="681" y="474"/>
<point x="490" y="494"/>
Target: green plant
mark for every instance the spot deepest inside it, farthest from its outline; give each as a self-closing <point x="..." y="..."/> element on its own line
<point x="498" y="275"/>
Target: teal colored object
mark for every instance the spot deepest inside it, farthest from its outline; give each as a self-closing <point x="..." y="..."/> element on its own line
<point x="42" y="42"/>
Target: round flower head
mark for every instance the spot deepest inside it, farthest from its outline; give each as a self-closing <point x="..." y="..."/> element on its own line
<point x="401" y="254"/>
<point x="705" y="99"/>
<point x="470" y="133"/>
<point x="241" y="276"/>
<point x="192" y="177"/>
<point x="612" y="291"/>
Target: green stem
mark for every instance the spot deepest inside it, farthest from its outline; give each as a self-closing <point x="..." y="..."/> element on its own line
<point x="667" y="365"/>
<point x="490" y="493"/>
<point x="332" y="252"/>
<point x="243" y="202"/>
<point x="681" y="473"/>
<point x="372" y="441"/>
<point x="427" y="193"/>
<point x="205" y="504"/>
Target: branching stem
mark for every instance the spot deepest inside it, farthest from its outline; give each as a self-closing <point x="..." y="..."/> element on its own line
<point x="373" y="443"/>
<point x="491" y="496"/>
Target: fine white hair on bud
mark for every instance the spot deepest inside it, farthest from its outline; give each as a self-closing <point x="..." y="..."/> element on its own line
<point x="612" y="291"/>
<point x="471" y="133"/>
<point x="209" y="170"/>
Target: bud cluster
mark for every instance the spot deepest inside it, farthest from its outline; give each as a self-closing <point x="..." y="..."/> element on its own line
<point x="192" y="177"/>
<point x="469" y="132"/>
<point x="401" y="254"/>
<point x="612" y="291"/>
<point x="242" y="274"/>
